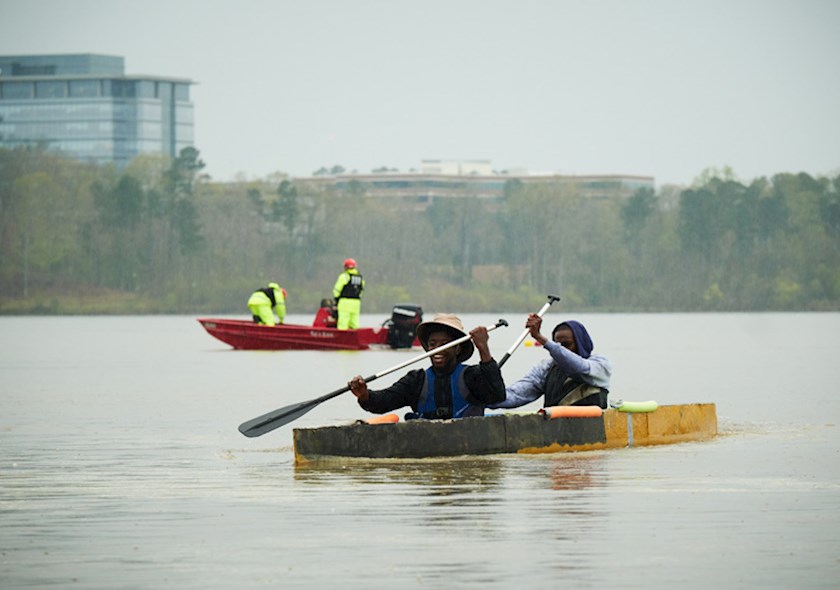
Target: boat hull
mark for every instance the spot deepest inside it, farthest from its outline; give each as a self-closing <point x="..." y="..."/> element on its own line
<point x="506" y="433"/>
<point x="245" y="335"/>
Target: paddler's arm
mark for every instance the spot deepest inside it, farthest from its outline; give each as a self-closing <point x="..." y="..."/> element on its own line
<point x="404" y="392"/>
<point x="527" y="389"/>
<point x="481" y="338"/>
<point x="359" y="388"/>
<point x="595" y="370"/>
<point x="485" y="379"/>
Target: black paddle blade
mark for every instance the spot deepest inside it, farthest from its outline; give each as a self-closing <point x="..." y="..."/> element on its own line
<point x="268" y="422"/>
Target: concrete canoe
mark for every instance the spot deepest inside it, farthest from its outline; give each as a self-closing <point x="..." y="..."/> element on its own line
<point x="505" y="433"/>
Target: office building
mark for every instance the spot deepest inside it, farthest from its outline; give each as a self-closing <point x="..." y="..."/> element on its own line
<point x="84" y="106"/>
<point x="452" y="179"/>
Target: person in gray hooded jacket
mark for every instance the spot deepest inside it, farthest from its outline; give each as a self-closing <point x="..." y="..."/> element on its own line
<point x="573" y="376"/>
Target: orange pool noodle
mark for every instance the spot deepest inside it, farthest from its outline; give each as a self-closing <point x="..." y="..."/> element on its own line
<point x="572" y="412"/>
<point x="384" y="419"/>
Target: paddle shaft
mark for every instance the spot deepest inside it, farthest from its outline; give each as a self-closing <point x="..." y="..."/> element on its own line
<point x="541" y="312"/>
<point x="268" y="422"/>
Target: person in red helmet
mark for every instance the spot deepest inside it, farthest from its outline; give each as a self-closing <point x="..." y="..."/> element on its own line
<point x="347" y="293"/>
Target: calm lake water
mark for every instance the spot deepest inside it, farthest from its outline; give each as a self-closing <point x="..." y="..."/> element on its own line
<point x="122" y="466"/>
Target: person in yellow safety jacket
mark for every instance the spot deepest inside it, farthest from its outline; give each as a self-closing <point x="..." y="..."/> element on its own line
<point x="264" y="303"/>
<point x="348" y="293"/>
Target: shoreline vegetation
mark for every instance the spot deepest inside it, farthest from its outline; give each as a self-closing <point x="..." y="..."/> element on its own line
<point x="158" y="237"/>
<point x="127" y="304"/>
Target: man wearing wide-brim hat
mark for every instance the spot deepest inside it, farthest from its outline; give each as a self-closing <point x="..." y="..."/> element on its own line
<point x="447" y="389"/>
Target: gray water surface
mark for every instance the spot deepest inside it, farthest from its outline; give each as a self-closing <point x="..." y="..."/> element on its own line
<point x="122" y="466"/>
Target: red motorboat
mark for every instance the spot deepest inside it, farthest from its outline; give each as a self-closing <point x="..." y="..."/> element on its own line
<point x="396" y="332"/>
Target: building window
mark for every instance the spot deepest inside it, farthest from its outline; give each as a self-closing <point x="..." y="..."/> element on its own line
<point x="184" y="114"/>
<point x="84" y="88"/>
<point x="18" y="90"/>
<point x="145" y="89"/>
<point x="50" y="89"/>
<point x="119" y="88"/>
<point x="164" y="91"/>
<point x="182" y="92"/>
<point x="32" y="70"/>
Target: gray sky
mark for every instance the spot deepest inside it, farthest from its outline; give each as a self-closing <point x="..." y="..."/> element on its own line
<point x="659" y="87"/>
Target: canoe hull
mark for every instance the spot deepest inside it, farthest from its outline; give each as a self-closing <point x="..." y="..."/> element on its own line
<point x="508" y="433"/>
<point x="245" y="335"/>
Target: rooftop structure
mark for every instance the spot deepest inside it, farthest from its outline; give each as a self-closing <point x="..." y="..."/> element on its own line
<point x="441" y="179"/>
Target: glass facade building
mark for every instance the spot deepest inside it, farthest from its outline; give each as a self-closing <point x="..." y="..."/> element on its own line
<point x="86" y="107"/>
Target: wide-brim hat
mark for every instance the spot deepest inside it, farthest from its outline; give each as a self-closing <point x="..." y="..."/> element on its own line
<point x="449" y="323"/>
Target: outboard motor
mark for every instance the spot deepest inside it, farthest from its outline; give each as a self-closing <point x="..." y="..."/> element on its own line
<point x="402" y="326"/>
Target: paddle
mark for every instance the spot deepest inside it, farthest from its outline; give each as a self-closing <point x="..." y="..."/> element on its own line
<point x="551" y="299"/>
<point x="268" y="422"/>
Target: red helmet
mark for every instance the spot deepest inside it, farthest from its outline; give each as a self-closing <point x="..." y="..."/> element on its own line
<point x="349" y="263"/>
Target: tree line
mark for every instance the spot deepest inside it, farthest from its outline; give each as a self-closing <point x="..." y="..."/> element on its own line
<point x="160" y="237"/>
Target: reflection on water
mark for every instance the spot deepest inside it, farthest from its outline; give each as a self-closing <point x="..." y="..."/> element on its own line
<point x="449" y="476"/>
<point x="578" y="471"/>
<point x="458" y="476"/>
<point x="434" y="484"/>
